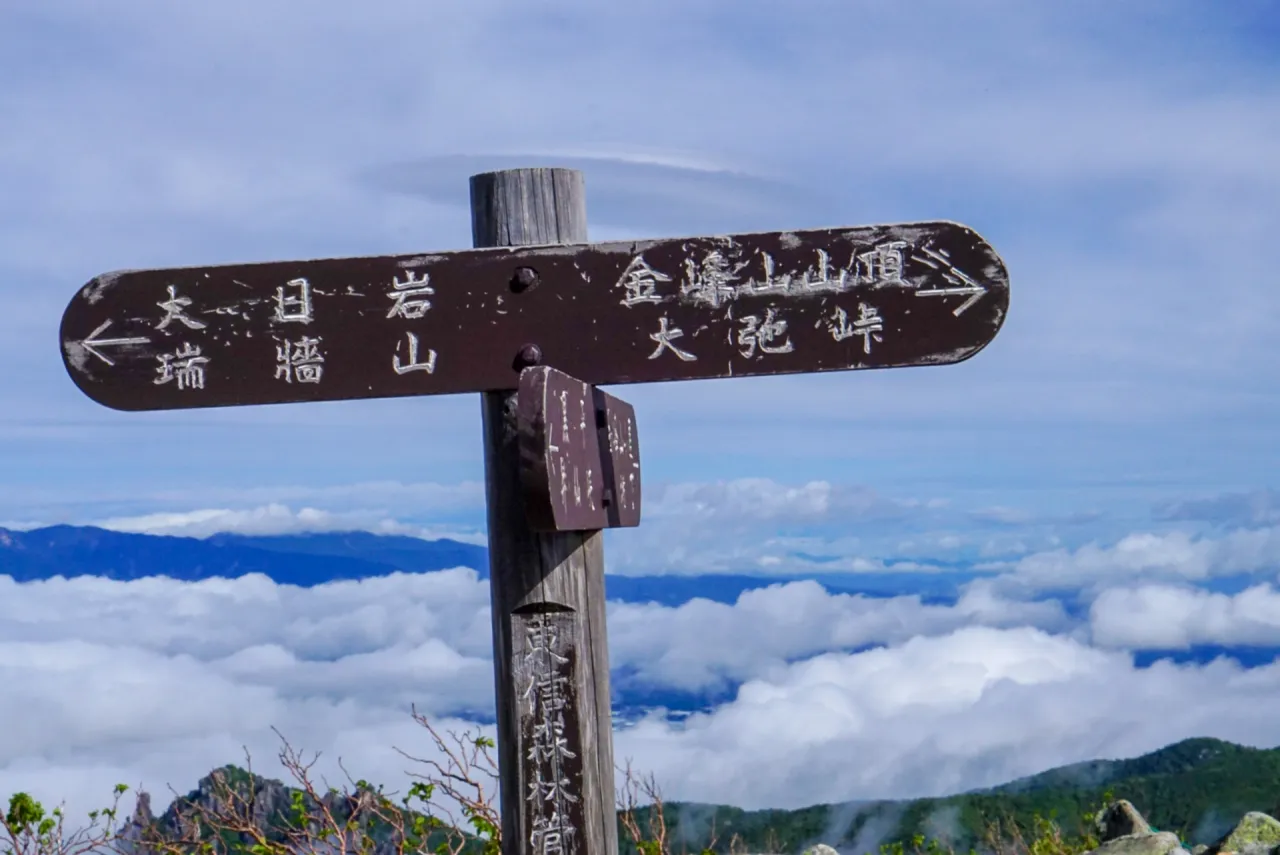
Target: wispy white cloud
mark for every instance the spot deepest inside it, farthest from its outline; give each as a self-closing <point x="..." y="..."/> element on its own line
<point x="1252" y="508"/>
<point x="1002" y="514"/>
<point x="752" y="501"/>
<point x="1177" y="617"/>
<point x="1172" y="555"/>
<point x="766" y="526"/>
<point x="277" y="519"/>
<point x="377" y="506"/>
<point x="768" y="627"/>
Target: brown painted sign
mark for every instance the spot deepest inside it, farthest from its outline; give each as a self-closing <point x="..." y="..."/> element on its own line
<point x="606" y="313"/>
<point x="579" y="454"/>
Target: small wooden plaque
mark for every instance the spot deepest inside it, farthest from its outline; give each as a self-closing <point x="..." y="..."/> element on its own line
<point x="579" y="452"/>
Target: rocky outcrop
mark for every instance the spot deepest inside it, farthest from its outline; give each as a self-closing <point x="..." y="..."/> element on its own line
<point x="130" y="836"/>
<point x="1120" y="819"/>
<point x="1122" y="830"/>
<point x="271" y="803"/>
<point x="1143" y="843"/>
<point x="1255" y="834"/>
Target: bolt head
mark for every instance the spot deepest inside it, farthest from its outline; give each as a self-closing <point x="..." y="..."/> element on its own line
<point x="529" y="356"/>
<point x="524" y="279"/>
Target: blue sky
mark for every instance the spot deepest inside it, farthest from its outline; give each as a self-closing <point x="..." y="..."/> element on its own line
<point x="1116" y="441"/>
<point x="1121" y="160"/>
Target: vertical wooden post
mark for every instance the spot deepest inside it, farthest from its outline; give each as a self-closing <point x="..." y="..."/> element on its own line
<point x="551" y="658"/>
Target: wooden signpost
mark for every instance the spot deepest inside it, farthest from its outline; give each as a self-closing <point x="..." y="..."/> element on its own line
<point x="534" y="318"/>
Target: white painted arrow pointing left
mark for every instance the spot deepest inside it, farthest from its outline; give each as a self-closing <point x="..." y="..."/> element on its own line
<point x="92" y="342"/>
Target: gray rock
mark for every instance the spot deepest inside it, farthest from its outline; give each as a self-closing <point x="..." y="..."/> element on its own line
<point x="1157" y="843"/>
<point x="820" y="849"/>
<point x="1257" y="849"/>
<point x="1120" y="819"/>
<point x="1255" y="834"/>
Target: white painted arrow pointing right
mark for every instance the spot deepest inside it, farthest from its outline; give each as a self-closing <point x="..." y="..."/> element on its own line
<point x="968" y="285"/>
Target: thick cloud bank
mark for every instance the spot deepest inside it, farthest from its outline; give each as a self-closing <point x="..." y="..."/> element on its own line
<point x="833" y="697"/>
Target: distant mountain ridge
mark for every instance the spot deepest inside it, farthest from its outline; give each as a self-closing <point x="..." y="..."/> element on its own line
<point x="407" y="554"/>
<point x="304" y="560"/>
<point x="314" y="559"/>
<point x="1186" y="756"/>
<point x="1198" y="788"/>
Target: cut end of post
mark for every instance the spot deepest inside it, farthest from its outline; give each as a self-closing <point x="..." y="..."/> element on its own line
<point x="526" y="207"/>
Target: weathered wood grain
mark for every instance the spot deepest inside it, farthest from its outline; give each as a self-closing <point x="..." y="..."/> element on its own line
<point x="789" y="302"/>
<point x="541" y="582"/>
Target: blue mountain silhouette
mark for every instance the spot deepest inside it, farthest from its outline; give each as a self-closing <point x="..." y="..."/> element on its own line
<point x="303" y="560"/>
<point x="313" y="559"/>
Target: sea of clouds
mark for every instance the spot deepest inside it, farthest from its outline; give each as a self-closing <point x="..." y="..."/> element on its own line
<point x="827" y="697"/>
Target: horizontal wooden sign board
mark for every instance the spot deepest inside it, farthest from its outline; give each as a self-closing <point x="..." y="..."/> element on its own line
<point x="605" y="313"/>
<point x="579" y="454"/>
